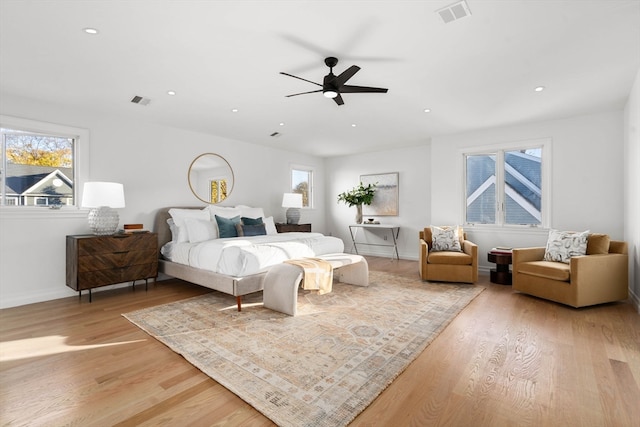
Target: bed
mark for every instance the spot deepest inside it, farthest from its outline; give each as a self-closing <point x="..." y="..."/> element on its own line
<point x="234" y="265"/>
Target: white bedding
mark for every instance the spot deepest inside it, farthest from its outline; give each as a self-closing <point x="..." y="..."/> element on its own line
<point x="243" y="256"/>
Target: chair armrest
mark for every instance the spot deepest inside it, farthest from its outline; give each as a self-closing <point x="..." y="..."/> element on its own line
<point x="520" y="255"/>
<point x="600" y="278"/>
<point x="599" y="269"/>
<point x="526" y="254"/>
<point x="470" y="248"/>
<point x="422" y="258"/>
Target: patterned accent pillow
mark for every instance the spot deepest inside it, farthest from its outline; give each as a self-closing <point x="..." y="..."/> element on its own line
<point x="445" y="239"/>
<point x="562" y="245"/>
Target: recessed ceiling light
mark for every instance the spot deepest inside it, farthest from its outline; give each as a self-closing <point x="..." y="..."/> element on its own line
<point x="539" y="88"/>
<point x="234" y="110"/>
<point x="353" y="125"/>
<point x="281" y="123"/>
<point x="171" y="92"/>
<point x="89" y="30"/>
<point x="427" y="110"/>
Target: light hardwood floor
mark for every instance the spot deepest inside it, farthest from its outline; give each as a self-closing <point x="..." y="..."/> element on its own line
<point x="508" y="359"/>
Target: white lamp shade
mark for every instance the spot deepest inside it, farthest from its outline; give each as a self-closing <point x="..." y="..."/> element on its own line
<point x="97" y="194"/>
<point x="292" y="200"/>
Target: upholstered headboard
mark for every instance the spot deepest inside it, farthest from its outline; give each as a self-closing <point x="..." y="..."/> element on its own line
<point x="161" y="227"/>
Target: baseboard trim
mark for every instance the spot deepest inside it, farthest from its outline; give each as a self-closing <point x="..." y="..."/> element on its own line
<point x="32" y="298"/>
<point x="57" y="294"/>
<point x="635" y="300"/>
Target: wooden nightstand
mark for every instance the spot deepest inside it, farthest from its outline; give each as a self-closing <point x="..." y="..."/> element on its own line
<point x="94" y="261"/>
<point x="288" y="228"/>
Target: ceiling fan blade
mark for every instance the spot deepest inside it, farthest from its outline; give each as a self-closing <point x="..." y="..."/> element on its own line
<point x="300" y="78"/>
<point x="338" y="100"/>
<point x="303" y="93"/>
<point x="346" y="75"/>
<point x="362" y="89"/>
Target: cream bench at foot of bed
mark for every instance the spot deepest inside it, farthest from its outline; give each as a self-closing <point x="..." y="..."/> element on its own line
<point x="281" y="283"/>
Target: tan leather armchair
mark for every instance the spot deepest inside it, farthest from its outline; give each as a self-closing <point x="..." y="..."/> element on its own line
<point x="448" y="266"/>
<point x="587" y="280"/>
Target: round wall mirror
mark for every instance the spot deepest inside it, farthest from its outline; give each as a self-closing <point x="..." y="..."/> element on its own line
<point x="210" y="178"/>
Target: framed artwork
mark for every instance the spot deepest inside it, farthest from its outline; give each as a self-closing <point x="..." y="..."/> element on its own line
<point x="218" y="190"/>
<point x="385" y="201"/>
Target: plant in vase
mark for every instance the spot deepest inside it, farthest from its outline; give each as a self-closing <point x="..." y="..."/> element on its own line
<point x="358" y="196"/>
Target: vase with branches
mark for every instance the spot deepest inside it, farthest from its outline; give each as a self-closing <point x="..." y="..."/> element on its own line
<point x="358" y="196"/>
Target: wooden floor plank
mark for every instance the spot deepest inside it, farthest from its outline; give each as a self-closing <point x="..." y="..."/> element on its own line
<point x="507" y="359"/>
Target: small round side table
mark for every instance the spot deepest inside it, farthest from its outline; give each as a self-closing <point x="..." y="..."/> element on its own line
<point x="501" y="274"/>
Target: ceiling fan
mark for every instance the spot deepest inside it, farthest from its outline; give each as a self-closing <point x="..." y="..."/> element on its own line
<point x="333" y="85"/>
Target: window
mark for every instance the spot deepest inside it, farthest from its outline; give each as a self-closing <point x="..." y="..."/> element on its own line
<point x="507" y="186"/>
<point x="302" y="182"/>
<point x="39" y="164"/>
<point x="37" y="169"/>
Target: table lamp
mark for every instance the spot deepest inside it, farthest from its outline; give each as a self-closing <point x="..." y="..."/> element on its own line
<point x="293" y="201"/>
<point x="102" y="198"/>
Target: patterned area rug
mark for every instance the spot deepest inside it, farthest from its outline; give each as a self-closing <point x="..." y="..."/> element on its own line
<point x="322" y="367"/>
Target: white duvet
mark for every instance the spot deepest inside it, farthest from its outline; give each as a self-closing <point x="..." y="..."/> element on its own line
<point x="243" y="256"/>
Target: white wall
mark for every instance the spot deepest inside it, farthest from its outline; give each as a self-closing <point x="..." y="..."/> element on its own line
<point x="412" y="164"/>
<point x="587" y="182"/>
<point x="632" y="187"/>
<point x="587" y="178"/>
<point x="589" y="172"/>
<point x="151" y="161"/>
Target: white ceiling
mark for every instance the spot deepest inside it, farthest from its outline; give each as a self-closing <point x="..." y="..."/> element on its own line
<point x="476" y="72"/>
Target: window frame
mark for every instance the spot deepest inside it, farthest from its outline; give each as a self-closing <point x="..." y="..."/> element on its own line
<point x="80" y="169"/>
<point x="311" y="171"/>
<point x="499" y="151"/>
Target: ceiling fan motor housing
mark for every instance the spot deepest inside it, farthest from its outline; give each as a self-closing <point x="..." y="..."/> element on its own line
<point x="329" y="89"/>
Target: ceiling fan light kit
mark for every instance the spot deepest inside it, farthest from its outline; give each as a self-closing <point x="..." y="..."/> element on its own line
<point x="332" y="85"/>
<point x="330" y="93"/>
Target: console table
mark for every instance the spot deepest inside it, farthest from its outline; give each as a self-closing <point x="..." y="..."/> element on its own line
<point x="394" y="230"/>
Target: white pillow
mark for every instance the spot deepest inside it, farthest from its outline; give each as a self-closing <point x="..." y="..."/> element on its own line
<point x="562" y="245"/>
<point x="269" y="225"/>
<point x="250" y="212"/>
<point x="174" y="229"/>
<point x="222" y="211"/>
<point x="200" y="230"/>
<point x="445" y="239"/>
<point x="179" y="216"/>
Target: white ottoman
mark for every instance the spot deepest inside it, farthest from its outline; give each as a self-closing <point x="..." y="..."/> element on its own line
<point x="282" y="281"/>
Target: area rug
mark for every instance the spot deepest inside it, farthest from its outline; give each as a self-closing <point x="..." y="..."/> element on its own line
<point x="322" y="367"/>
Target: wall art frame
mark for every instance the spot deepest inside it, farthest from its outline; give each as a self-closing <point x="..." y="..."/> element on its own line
<point x="385" y="200"/>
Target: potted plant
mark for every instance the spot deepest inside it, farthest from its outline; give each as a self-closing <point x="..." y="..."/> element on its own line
<point x="358" y="196"/>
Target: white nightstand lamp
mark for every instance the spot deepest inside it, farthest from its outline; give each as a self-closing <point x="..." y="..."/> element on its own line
<point x="102" y="198"/>
<point x="293" y="201"/>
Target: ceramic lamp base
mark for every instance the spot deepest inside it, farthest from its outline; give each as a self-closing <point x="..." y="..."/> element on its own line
<point x="293" y="215"/>
<point x="103" y="221"/>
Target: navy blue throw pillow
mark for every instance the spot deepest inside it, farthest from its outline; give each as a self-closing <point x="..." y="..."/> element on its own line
<point x="251" y="221"/>
<point x="227" y="226"/>
<point x="251" y="230"/>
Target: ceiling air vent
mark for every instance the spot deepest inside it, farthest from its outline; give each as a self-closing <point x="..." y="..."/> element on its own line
<point x="454" y="11"/>
<point x="140" y="100"/>
<point x="275" y="134"/>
